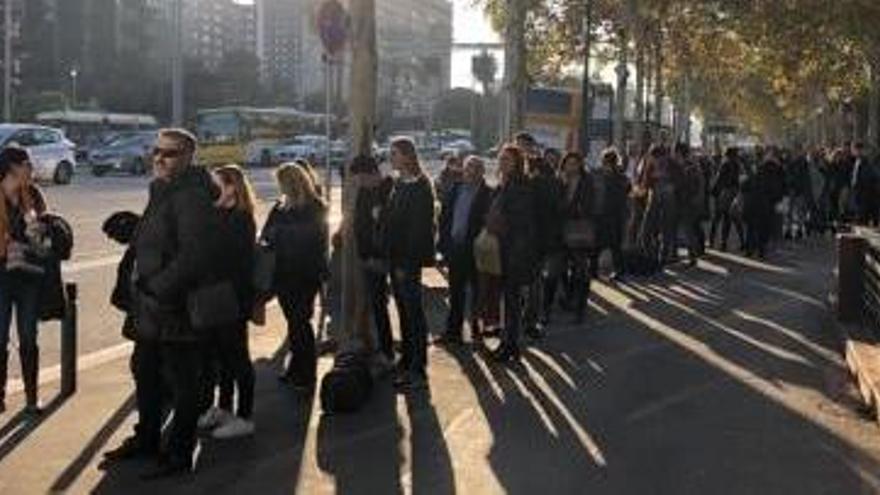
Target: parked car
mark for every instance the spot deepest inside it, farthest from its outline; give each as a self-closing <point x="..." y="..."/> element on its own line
<point x="306" y="147"/>
<point x="94" y="142"/>
<point x="459" y="148"/>
<point x="130" y="154"/>
<point x="53" y="155"/>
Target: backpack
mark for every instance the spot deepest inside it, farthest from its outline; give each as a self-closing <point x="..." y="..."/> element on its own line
<point x="60" y="233"/>
<point x="346" y="387"/>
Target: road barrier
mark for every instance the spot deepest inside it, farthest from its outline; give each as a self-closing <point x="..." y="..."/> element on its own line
<point x="855" y="299"/>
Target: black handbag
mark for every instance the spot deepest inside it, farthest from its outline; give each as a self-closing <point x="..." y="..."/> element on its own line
<point x="213" y="306"/>
<point x="579" y="234"/>
<point x="265" y="261"/>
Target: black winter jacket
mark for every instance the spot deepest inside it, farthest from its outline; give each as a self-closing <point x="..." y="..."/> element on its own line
<point x="410" y="224"/>
<point x="301" y="239"/>
<point x="727" y="178"/>
<point x="519" y="236"/>
<point x="240" y="235"/>
<point x="548" y="192"/>
<point x="177" y="249"/>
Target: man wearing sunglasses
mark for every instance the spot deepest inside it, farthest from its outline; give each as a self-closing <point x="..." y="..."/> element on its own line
<point x="176" y="252"/>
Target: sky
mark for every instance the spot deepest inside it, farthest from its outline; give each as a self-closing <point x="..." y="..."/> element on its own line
<point x="469" y="26"/>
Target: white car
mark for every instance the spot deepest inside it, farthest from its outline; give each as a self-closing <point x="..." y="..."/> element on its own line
<point x="52" y="155"/>
<point x="459" y="148"/>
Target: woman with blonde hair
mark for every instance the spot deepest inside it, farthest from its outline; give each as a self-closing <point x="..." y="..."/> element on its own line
<point x="297" y="229"/>
<point x="227" y="360"/>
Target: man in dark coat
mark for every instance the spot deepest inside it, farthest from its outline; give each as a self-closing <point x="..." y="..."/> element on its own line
<point x="724" y="190"/>
<point x="548" y="192"/>
<point x="176" y="253"/>
<point x="462" y="218"/>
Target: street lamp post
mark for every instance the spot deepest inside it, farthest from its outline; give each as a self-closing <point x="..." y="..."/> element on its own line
<point x="7" y="60"/>
<point x="74" y="73"/>
<point x="177" y="64"/>
<point x="587" y="101"/>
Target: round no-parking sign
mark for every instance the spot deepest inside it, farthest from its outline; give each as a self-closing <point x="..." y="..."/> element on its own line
<point x="332" y="20"/>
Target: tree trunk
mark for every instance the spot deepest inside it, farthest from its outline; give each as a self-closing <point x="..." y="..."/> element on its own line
<point x="514" y="68"/>
<point x="650" y="83"/>
<point x="640" y="94"/>
<point x="874" y="102"/>
<point x="658" y="79"/>
<point x="586" y="86"/>
<point x="355" y="334"/>
<point x="622" y="82"/>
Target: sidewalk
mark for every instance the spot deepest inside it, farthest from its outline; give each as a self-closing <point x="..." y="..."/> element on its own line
<point x="720" y="379"/>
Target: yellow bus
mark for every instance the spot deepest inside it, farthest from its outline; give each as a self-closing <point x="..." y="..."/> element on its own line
<point x="248" y="135"/>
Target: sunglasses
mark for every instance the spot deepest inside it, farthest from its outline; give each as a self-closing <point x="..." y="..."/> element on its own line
<point x="167" y="152"/>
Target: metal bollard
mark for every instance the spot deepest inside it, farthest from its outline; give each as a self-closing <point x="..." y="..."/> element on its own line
<point x="68" y="342"/>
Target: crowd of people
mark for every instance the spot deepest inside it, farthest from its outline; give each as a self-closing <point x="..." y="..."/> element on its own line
<point x="197" y="270"/>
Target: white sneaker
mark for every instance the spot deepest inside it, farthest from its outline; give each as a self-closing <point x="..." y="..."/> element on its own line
<point x="234" y="428"/>
<point x="213" y="418"/>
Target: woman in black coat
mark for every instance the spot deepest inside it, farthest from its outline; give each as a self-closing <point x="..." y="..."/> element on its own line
<point x="577" y="209"/>
<point x="513" y="218"/>
<point x="410" y="230"/>
<point x="298" y="232"/>
<point x="232" y="367"/>
<point x="724" y="190"/>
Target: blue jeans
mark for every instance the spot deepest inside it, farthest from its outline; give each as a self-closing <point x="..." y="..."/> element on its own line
<point x="21" y="292"/>
<point x="407" y="286"/>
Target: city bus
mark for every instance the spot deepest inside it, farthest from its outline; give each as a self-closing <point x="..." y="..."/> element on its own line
<point x="248" y="135"/>
<point x="90" y="129"/>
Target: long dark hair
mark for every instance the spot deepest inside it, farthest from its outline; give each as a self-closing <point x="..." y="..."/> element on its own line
<point x="572" y="155"/>
<point x="519" y="161"/>
<point x="407" y="148"/>
<point x="233" y="175"/>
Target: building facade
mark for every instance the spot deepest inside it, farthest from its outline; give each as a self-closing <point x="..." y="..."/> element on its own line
<point x="414" y="39"/>
<point x="214" y="28"/>
<point x="11" y="34"/>
<point x="289" y="48"/>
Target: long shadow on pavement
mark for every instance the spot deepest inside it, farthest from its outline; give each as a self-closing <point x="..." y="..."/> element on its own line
<point x="268" y="462"/>
<point x="70" y="474"/>
<point x="655" y="397"/>
<point x="21" y="425"/>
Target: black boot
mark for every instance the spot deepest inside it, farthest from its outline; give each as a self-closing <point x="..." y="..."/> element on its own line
<point x="30" y="371"/>
<point x="506" y="353"/>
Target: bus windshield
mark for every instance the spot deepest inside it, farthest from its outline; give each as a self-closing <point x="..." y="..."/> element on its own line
<point x="219" y="127"/>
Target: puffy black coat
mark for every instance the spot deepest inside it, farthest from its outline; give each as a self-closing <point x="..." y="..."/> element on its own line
<point x="519" y="232"/>
<point x="240" y="235"/>
<point x="178" y="248"/>
<point x="727" y="178"/>
<point x="548" y="191"/>
<point x="617" y="187"/>
<point x="581" y="205"/>
<point x="410" y="224"/>
<point x="300" y="238"/>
